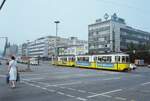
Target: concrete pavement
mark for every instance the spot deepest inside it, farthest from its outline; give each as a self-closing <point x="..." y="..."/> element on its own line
<point x="49" y="83"/>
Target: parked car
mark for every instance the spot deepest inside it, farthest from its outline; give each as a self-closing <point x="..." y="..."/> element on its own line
<point x="148" y="66"/>
<point x="132" y="66"/>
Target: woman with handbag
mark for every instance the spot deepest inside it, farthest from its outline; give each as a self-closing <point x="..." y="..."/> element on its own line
<point x="12" y="72"/>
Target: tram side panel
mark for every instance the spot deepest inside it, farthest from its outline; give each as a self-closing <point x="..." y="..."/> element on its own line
<point x="84" y="61"/>
<point x="111" y="62"/>
<point x="66" y="61"/>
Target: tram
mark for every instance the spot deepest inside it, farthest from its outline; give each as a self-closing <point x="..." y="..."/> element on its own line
<point x="118" y="61"/>
<point x="66" y="60"/>
<point x="115" y="61"/>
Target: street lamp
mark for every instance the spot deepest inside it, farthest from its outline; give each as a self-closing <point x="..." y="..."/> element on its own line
<point x="6" y="44"/>
<point x="56" y="22"/>
<point x="28" y="59"/>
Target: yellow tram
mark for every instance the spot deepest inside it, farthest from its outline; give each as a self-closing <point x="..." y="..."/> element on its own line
<point x="115" y="61"/>
<point x="66" y="60"/>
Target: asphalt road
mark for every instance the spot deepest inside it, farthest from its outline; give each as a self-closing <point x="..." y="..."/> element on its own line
<point x="49" y="83"/>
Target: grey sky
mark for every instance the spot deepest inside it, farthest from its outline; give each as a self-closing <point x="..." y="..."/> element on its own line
<point x="21" y="20"/>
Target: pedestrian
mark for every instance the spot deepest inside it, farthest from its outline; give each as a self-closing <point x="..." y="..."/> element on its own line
<point x="12" y="70"/>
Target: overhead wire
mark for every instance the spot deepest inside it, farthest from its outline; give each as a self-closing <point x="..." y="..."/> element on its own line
<point x="2" y="4"/>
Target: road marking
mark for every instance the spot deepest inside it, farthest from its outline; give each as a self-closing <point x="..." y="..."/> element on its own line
<point x="92" y="93"/>
<point x="34" y="79"/>
<point x="112" y="78"/>
<point x="82" y="91"/>
<point x="64" y="84"/>
<point x="106" y="96"/>
<point x="38" y="86"/>
<point x="71" y="89"/>
<point x="120" y="98"/>
<point x="69" y="95"/>
<point x="34" y="74"/>
<point x="62" y="87"/>
<point x="146" y="83"/>
<point x="60" y="93"/>
<point x="51" y="90"/>
<point x="82" y="99"/>
<point x="104" y="93"/>
<point x="44" y="88"/>
<point x="45" y="84"/>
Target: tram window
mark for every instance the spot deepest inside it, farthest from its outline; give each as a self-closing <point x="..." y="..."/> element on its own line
<point x="108" y="59"/>
<point x="123" y="59"/>
<point x="71" y="59"/>
<point x="79" y="59"/>
<point x="117" y="58"/>
<point x="104" y="59"/>
<point x="83" y="58"/>
<point x="64" y="59"/>
<point x="99" y="59"/>
<point x="127" y="59"/>
<point x="86" y="59"/>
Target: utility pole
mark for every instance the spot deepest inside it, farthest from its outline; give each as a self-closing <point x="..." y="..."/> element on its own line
<point x="6" y="45"/>
<point x="2" y="4"/>
<point x="28" y="58"/>
<point x="56" y="22"/>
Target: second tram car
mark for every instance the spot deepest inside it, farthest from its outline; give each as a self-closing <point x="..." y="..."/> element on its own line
<point x="118" y="61"/>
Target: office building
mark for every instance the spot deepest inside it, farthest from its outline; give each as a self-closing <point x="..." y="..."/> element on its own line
<point x="114" y="35"/>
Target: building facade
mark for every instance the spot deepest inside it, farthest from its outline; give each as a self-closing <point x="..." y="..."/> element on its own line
<point x="11" y="50"/>
<point x="46" y="47"/>
<point x="38" y="47"/>
<point x="73" y="50"/>
<point x="67" y="46"/>
<point x="113" y="35"/>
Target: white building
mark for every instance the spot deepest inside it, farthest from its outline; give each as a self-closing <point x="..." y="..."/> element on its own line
<point x="47" y="46"/>
<point x="38" y="47"/>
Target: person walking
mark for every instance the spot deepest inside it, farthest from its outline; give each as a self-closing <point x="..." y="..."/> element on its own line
<point x="12" y="69"/>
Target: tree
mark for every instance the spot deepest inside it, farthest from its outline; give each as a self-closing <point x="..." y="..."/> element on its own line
<point x="139" y="51"/>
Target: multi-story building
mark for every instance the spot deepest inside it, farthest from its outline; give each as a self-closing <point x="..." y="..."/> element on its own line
<point x="11" y="50"/>
<point x="113" y="35"/>
<point x="38" y="47"/>
<point x="22" y="50"/>
<point x="50" y="45"/>
<point x="67" y="46"/>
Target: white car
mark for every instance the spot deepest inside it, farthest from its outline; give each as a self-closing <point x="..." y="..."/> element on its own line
<point x="132" y="66"/>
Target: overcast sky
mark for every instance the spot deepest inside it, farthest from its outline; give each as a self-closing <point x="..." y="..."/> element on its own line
<point x="22" y="20"/>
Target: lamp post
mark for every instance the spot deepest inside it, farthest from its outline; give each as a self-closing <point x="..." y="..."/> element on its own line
<point x="28" y="62"/>
<point x="6" y="44"/>
<point x="56" y="22"/>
